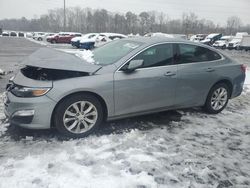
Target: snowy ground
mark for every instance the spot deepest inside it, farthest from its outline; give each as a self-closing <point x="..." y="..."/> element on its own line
<point x="186" y="148"/>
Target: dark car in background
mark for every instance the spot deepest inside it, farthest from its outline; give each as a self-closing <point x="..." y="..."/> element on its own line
<point x="20" y="34"/>
<point x="13" y="34"/>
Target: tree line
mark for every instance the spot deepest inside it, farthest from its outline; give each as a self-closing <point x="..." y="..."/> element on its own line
<point x="86" y="20"/>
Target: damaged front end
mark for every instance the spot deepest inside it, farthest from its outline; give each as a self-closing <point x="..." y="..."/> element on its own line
<point x="44" y="74"/>
<point x="27" y="103"/>
<point x="36" y="81"/>
<point x="43" y="67"/>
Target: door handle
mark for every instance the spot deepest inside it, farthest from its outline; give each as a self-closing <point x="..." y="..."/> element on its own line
<point x="210" y="70"/>
<point x="169" y="73"/>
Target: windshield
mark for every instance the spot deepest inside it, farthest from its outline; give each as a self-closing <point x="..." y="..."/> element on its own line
<point x="113" y="51"/>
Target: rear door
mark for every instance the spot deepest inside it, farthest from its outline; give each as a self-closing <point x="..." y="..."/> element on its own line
<point x="150" y="87"/>
<point x="197" y="72"/>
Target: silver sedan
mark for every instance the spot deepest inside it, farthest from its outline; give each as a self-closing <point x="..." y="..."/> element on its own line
<point x="123" y="78"/>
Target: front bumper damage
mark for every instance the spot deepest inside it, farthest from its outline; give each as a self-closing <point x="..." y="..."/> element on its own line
<point x="31" y="113"/>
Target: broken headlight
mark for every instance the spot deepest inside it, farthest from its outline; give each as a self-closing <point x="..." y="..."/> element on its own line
<point x="21" y="91"/>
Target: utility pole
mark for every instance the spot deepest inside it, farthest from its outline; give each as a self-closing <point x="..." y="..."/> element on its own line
<point x="64" y="16"/>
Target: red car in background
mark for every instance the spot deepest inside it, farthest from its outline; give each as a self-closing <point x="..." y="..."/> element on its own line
<point x="63" y="37"/>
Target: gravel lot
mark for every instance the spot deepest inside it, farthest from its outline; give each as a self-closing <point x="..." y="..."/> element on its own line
<point x="184" y="148"/>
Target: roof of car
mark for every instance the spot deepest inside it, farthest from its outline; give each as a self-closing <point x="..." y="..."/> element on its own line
<point x="157" y="40"/>
<point x="153" y="40"/>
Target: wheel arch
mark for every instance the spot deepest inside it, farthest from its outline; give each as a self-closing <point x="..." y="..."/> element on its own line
<point x="225" y="81"/>
<point x="101" y="100"/>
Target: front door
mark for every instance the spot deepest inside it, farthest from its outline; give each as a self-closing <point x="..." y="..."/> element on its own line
<point x="150" y="87"/>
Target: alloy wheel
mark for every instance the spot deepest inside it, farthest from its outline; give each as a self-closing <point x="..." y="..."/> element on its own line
<point x="80" y="117"/>
<point x="219" y="98"/>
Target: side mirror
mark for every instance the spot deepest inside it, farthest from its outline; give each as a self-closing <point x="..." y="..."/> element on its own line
<point x="134" y="64"/>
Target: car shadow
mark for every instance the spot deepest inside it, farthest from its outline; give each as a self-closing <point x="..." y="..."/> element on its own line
<point x="144" y="122"/>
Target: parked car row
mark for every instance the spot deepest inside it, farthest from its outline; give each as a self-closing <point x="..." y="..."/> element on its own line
<point x="78" y="40"/>
<point x="237" y="42"/>
<point x="12" y="34"/>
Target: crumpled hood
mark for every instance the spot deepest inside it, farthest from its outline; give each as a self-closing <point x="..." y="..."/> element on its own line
<point x="50" y="58"/>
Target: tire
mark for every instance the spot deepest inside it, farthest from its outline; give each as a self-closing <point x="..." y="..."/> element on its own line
<point x="39" y="39"/>
<point x="73" y="123"/>
<point x="211" y="101"/>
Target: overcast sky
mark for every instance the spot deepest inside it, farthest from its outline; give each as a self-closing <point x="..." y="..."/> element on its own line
<point x="215" y="10"/>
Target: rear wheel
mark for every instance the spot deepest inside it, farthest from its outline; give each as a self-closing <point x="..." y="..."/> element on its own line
<point x="217" y="98"/>
<point x="78" y="115"/>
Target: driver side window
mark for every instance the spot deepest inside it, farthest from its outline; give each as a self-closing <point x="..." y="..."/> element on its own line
<point x="159" y="55"/>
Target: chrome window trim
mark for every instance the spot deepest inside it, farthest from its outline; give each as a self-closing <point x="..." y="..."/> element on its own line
<point x="118" y="69"/>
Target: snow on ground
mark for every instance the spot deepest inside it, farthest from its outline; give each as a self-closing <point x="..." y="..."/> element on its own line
<point x="196" y="150"/>
<point x="44" y="43"/>
<point x="199" y="150"/>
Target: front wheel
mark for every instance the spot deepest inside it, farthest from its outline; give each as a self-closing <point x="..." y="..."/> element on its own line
<point x="217" y="98"/>
<point x="78" y="115"/>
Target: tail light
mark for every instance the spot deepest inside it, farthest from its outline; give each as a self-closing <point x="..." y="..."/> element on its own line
<point x="243" y="68"/>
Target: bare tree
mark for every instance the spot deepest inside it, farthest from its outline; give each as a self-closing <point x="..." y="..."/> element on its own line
<point x="88" y="20"/>
<point x="233" y="24"/>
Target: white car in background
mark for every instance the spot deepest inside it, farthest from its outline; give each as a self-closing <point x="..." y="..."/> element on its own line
<point x="28" y="35"/>
<point x="236" y="41"/>
<point x="100" y="40"/>
<point x="103" y="38"/>
<point x="223" y="42"/>
<point x="159" y="34"/>
<point x="38" y="36"/>
<point x="198" y="37"/>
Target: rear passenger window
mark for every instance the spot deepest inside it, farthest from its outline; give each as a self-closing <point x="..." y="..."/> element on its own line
<point x="159" y="55"/>
<point x="192" y="53"/>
